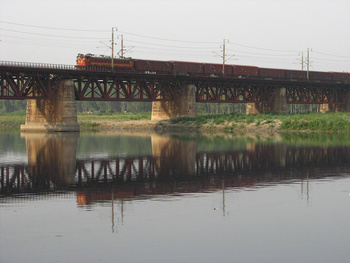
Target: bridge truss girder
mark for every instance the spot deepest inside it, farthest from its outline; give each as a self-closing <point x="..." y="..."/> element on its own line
<point x="317" y="94"/>
<point x="126" y="88"/>
<point x="19" y="85"/>
<point x="234" y="91"/>
<point x="41" y="83"/>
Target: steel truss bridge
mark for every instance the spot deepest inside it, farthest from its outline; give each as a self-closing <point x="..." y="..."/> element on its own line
<point x="39" y="81"/>
<point x="240" y="167"/>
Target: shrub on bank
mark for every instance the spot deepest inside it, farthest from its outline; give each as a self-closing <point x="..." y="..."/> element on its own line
<point x="339" y="122"/>
<point x="305" y="121"/>
<point x="318" y="122"/>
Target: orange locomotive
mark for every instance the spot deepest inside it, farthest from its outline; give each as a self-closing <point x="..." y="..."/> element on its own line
<point x="90" y="60"/>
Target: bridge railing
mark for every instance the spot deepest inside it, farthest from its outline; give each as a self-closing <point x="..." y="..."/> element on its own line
<point x="14" y="64"/>
<point x="36" y="65"/>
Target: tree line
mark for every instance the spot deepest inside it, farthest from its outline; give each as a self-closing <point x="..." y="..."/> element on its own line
<point x="9" y="106"/>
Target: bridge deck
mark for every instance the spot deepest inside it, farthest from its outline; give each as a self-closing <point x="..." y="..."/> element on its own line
<point x="39" y="81"/>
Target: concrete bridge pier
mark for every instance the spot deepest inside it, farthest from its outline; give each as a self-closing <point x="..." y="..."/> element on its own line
<point x="331" y="108"/>
<point x="347" y="104"/>
<point x="174" y="157"/>
<point x="336" y="107"/>
<point x="257" y="108"/>
<point x="279" y="104"/>
<point x="273" y="156"/>
<point x="58" y="114"/>
<point x="183" y="106"/>
<point x="51" y="158"/>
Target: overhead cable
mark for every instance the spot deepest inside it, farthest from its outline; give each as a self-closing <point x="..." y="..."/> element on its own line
<point x="331" y="60"/>
<point x="263" y="54"/>
<point x="47" y="35"/>
<point x="159" y="45"/>
<point x="267" y="49"/>
<point x="172" y="40"/>
<point x="330" y="54"/>
<point x="55" y="28"/>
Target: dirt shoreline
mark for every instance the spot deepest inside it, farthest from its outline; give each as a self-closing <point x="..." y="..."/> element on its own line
<point x="323" y="123"/>
<point x="167" y="125"/>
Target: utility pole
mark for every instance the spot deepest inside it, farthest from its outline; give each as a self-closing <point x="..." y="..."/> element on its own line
<point x="112" y="62"/>
<point x="123" y="50"/>
<point x="224" y="55"/>
<point x="302" y="61"/>
<point x="122" y="46"/>
<point x="308" y="63"/>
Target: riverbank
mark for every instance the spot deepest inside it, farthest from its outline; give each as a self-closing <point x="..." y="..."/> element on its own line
<point x="333" y="122"/>
<point x="336" y="122"/>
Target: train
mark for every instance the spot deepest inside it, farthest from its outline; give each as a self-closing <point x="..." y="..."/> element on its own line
<point x="203" y="69"/>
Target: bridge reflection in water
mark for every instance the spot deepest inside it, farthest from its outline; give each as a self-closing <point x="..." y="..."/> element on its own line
<point x="175" y="167"/>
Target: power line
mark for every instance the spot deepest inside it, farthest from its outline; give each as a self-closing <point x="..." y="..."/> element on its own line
<point x="47" y="35"/>
<point x="159" y="45"/>
<point x="173" y="50"/>
<point x="264" y="57"/>
<point x="167" y="39"/>
<point x="259" y="54"/>
<point x="89" y="30"/>
<point x="330" y="54"/>
<point x="42" y="44"/>
<point x="266" y="49"/>
<point x="41" y="39"/>
<point x="46" y="45"/>
<point x="332" y="60"/>
<point x="54" y="28"/>
<point x="193" y="47"/>
<point x="143" y="36"/>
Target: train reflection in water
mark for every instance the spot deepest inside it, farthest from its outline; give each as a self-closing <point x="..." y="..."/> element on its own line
<point x="174" y="167"/>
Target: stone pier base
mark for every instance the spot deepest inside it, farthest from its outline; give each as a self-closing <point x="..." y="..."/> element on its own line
<point x="279" y="104"/>
<point x="347" y="104"/>
<point x="174" y="157"/>
<point x="58" y="114"/>
<point x="331" y="108"/>
<point x="51" y="158"/>
<point x="336" y="107"/>
<point x="257" y="108"/>
<point x="183" y="106"/>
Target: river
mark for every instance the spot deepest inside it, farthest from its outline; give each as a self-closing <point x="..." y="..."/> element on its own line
<point x="148" y="197"/>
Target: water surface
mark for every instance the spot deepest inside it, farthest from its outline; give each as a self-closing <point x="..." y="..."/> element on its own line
<point x="128" y="197"/>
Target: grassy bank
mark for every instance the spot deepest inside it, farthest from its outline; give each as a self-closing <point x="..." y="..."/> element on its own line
<point x="100" y="119"/>
<point x="14" y="119"/>
<point x="338" y="122"/>
<point x="85" y="120"/>
<point x="269" y="121"/>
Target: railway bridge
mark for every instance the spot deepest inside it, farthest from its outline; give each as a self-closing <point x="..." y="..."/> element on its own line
<point x="51" y="91"/>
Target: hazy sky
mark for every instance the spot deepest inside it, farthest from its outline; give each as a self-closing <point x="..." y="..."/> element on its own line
<point x="259" y="32"/>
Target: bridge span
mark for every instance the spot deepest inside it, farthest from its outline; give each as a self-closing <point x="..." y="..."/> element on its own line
<point x="51" y="91"/>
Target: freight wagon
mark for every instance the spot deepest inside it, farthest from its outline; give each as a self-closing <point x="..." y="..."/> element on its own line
<point x="316" y="75"/>
<point x="245" y="71"/>
<point x="185" y="68"/>
<point x="203" y="69"/>
<point x="296" y="75"/>
<point x="337" y="76"/>
<point x="152" y="66"/>
<point x="272" y="73"/>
